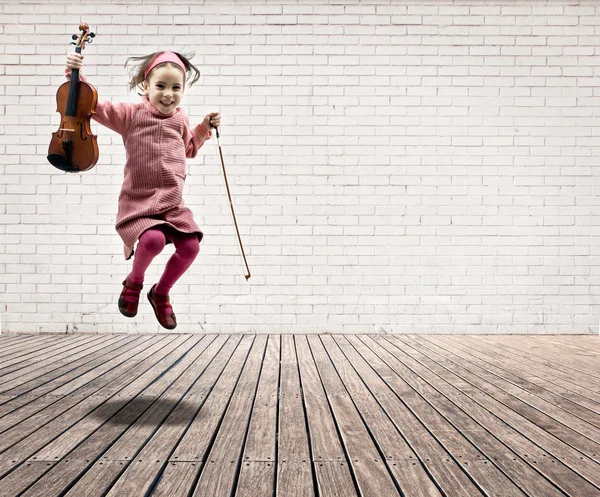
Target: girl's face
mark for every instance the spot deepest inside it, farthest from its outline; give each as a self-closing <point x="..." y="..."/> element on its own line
<point x="164" y="88"/>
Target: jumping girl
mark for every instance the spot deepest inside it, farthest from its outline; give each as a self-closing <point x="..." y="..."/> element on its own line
<point x="158" y="138"/>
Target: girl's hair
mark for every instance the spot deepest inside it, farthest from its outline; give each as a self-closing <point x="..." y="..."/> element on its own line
<point x="141" y="64"/>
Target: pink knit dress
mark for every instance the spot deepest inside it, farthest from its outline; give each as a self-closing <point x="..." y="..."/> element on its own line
<point x="156" y="147"/>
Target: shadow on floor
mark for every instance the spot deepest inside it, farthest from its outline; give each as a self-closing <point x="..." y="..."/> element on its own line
<point x="122" y="411"/>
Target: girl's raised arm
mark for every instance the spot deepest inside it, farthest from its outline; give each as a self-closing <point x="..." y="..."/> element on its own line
<point x="194" y="138"/>
<point x="117" y="117"/>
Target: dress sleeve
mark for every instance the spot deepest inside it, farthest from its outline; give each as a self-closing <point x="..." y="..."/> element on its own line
<point x="194" y="138"/>
<point x="117" y="117"/>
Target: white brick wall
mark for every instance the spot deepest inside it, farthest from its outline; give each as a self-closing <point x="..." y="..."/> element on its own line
<point x="396" y="166"/>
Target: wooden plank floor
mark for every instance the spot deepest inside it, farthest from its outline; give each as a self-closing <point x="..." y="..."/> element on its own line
<point x="299" y="415"/>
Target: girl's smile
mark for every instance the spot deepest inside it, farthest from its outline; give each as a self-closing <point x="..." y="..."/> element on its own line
<point x="164" y="88"/>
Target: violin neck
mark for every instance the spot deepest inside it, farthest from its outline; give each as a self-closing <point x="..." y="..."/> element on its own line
<point x="72" y="101"/>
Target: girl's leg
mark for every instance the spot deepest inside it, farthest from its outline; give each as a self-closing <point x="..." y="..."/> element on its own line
<point x="149" y="246"/>
<point x="151" y="243"/>
<point x="187" y="248"/>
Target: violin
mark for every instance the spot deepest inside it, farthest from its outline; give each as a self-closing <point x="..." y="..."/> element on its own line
<point x="73" y="147"/>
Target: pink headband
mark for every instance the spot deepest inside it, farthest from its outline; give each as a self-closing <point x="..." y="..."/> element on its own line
<point x="161" y="59"/>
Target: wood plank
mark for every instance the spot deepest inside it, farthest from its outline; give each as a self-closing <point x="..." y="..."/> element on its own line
<point x="225" y="454"/>
<point x="95" y="481"/>
<point x="580" y="392"/>
<point x="8" y="340"/>
<point x="60" y="350"/>
<point x="197" y="439"/>
<point x="43" y="382"/>
<point x="293" y="415"/>
<point x="10" y="346"/>
<point x="256" y="480"/>
<point x="535" y="410"/>
<point x="295" y="478"/>
<point x="89" y="380"/>
<point x="519" y="433"/>
<point x="331" y="467"/>
<point x="185" y="428"/>
<point x="38" y="410"/>
<point x="470" y="420"/>
<point x="393" y="445"/>
<point x="294" y="467"/>
<point x="127" y="430"/>
<point x="130" y="438"/>
<point x="332" y="479"/>
<point x="44" y="433"/>
<point x="409" y="472"/>
<point x="573" y="375"/>
<point x="136" y="417"/>
<point x="261" y="443"/>
<point x="569" y="348"/>
<point x="325" y="443"/>
<point x="551" y="403"/>
<point x="176" y="480"/>
<point x="14" y="366"/>
<point x="173" y="392"/>
<point x="20" y="357"/>
<point x="257" y="471"/>
<point x="60" y="475"/>
<point x="22" y="478"/>
<point x="368" y="466"/>
<point x="448" y="474"/>
<point x="44" y="370"/>
<point x="575" y="345"/>
<point x="401" y="460"/>
<point x="33" y="396"/>
<point x="585" y="360"/>
<point x="535" y="378"/>
<point x="139" y="470"/>
<point x="524" y="376"/>
<point x="587" y="343"/>
<point x="47" y="482"/>
<point x="178" y="477"/>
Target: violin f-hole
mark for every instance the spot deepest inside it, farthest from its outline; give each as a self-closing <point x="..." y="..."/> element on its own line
<point x="61" y="130"/>
<point x="81" y="137"/>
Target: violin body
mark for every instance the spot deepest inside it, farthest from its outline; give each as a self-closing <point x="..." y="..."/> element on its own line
<point x="76" y="130"/>
<point x="73" y="147"/>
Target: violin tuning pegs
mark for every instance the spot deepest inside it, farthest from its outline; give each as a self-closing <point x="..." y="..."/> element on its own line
<point x="92" y="35"/>
<point x="74" y="37"/>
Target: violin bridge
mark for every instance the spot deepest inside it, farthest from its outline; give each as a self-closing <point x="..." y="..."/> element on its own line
<point x="66" y="129"/>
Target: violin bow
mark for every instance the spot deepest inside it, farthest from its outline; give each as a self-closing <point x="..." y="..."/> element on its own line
<point x="237" y="230"/>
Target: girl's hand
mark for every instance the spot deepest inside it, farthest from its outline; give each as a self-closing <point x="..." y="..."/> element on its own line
<point x="74" y="61"/>
<point x="212" y="120"/>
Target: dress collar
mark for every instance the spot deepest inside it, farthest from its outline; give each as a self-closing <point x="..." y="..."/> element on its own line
<point x="151" y="108"/>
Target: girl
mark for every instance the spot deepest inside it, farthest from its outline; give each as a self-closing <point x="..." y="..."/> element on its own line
<point x="157" y="138"/>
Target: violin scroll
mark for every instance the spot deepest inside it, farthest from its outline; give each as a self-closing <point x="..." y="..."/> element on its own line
<point x="84" y="37"/>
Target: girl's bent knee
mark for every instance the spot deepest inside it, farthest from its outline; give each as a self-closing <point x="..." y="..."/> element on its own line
<point x="189" y="248"/>
<point x="153" y="241"/>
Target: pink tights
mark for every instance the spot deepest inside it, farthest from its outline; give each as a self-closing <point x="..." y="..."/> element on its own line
<point x="151" y="243"/>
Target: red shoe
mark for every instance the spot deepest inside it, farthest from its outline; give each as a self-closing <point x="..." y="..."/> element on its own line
<point x="162" y="309"/>
<point x="129" y="298"/>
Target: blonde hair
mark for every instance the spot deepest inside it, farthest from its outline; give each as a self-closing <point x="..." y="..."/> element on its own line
<point x="192" y="73"/>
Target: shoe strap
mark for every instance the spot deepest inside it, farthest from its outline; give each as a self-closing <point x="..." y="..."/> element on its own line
<point x="132" y="286"/>
<point x="162" y="301"/>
